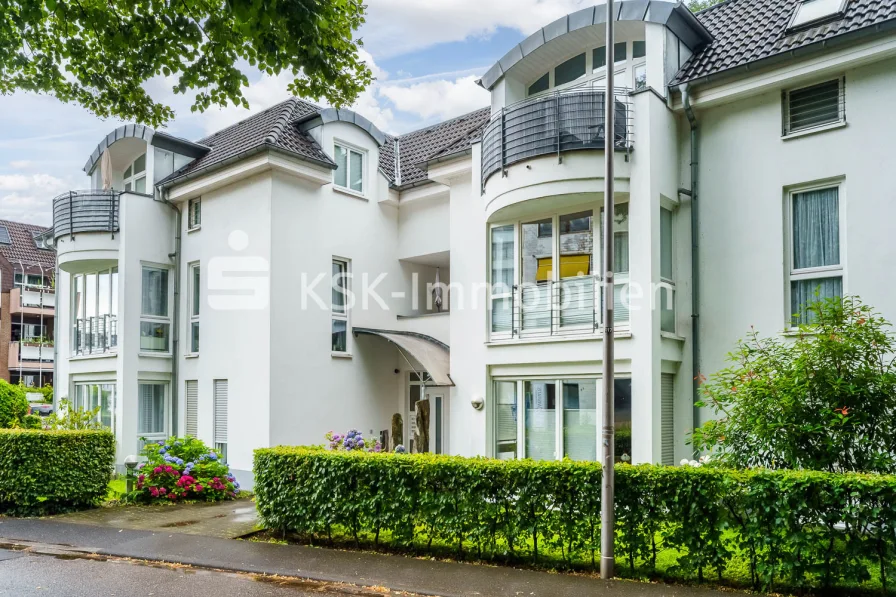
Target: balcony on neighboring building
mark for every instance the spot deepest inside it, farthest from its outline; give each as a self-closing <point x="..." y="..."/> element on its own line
<point x="32" y="300"/>
<point x="95" y="335"/>
<point x="31" y="355"/>
<point x="553" y="123"/>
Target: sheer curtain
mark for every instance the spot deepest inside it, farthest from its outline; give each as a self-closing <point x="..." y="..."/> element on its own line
<point x="816" y="244"/>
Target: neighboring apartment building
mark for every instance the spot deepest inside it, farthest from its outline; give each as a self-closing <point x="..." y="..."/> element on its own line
<point x="183" y="289"/>
<point x="27" y="310"/>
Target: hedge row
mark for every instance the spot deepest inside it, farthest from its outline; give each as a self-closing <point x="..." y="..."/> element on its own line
<point x="44" y="472"/>
<point x="793" y="528"/>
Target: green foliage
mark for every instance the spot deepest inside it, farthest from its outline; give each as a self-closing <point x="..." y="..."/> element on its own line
<point x="183" y="468"/>
<point x="824" y="400"/>
<point x="698" y="5"/>
<point x="13" y="405"/>
<point x="101" y="53"/>
<point x="784" y="524"/>
<point x="46" y="392"/>
<point x="44" y="472"/>
<point x="69" y="418"/>
<point x="31" y="422"/>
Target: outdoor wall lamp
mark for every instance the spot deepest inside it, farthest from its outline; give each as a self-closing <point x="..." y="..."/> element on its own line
<point x="130" y="463"/>
<point x="477" y="402"/>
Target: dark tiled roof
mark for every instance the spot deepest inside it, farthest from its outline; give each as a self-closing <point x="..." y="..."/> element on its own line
<point x="22" y="249"/>
<point x="440" y="139"/>
<point x="272" y="128"/>
<point x="746" y="31"/>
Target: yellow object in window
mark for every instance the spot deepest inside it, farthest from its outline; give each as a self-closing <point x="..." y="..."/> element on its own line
<point x="570" y="267"/>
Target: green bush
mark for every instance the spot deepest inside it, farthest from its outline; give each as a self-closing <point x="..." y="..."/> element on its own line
<point x="183" y="468"/>
<point x="44" y="472"/>
<point x="784" y="527"/>
<point x="13" y="405"/>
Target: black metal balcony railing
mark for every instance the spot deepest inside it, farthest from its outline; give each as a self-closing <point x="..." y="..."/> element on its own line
<point x="95" y="335"/>
<point x="86" y="211"/>
<point x="553" y="123"/>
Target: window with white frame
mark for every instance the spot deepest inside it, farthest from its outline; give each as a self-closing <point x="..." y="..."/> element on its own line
<point x="135" y="175"/>
<point x="667" y="278"/>
<point x="340" y="306"/>
<point x="815" y="256"/>
<point x="813" y="12"/>
<point x="195" y="302"/>
<point x="96" y="395"/>
<point x="552" y="419"/>
<point x="194" y="213"/>
<point x="94" y="311"/>
<point x="155" y="321"/>
<point x="814" y="106"/>
<point x="349" y="172"/>
<point x="152" y="411"/>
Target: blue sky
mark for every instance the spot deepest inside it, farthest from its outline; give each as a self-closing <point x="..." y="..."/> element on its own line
<point x="426" y="55"/>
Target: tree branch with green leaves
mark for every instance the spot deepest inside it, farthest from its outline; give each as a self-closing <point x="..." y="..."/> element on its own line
<point x="101" y="53"/>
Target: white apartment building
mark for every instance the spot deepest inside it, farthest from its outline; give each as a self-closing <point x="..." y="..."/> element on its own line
<point x="754" y="144"/>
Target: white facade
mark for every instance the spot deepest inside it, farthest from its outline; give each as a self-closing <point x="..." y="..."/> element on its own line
<point x="273" y="222"/>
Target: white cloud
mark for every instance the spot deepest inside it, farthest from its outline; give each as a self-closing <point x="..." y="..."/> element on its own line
<point x="28" y="198"/>
<point x="440" y="98"/>
<point x="396" y="27"/>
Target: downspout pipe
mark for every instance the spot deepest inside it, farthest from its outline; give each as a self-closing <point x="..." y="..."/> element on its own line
<point x="162" y="193"/>
<point x="695" y="248"/>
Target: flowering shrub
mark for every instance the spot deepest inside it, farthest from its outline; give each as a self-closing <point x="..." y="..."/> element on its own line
<point x="183" y="468"/>
<point x="353" y="440"/>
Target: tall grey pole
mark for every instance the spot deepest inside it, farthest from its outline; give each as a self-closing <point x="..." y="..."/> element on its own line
<point x="607" y="515"/>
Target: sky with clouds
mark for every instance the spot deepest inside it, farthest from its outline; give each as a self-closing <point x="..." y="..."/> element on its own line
<point x="426" y="56"/>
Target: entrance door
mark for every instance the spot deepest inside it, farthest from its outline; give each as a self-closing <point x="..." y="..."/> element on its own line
<point x="431" y="406"/>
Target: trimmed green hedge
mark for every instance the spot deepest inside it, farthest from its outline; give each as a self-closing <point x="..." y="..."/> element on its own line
<point x="784" y="528"/>
<point x="44" y="472"/>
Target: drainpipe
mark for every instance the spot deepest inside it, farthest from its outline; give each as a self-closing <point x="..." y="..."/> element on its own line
<point x="695" y="250"/>
<point x="175" y="320"/>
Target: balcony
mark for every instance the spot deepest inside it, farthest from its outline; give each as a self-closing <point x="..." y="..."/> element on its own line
<point x="566" y="120"/>
<point x="31" y="354"/>
<point x="95" y="335"/>
<point x="32" y="300"/>
<point x="85" y="229"/>
<point x="569" y="307"/>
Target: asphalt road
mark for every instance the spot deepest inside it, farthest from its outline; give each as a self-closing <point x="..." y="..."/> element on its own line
<point x="23" y="573"/>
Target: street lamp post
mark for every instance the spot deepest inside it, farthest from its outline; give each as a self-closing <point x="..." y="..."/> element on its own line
<point x="607" y="515"/>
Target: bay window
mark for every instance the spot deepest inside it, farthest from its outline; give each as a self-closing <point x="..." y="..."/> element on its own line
<point x="816" y="269"/>
<point x="552" y="419"/>
<point x="155" y="321"/>
<point x="94" y="311"/>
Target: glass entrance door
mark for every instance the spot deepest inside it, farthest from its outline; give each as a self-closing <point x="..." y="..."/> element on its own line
<point x="426" y="406"/>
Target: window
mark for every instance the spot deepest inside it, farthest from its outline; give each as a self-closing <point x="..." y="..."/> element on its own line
<point x="155" y="324"/>
<point x="135" y="175"/>
<point x="152" y="411"/>
<point x="502" y="274"/>
<point x="619" y="52"/>
<point x="195" y="296"/>
<point x="542" y="84"/>
<point x="31" y="281"/>
<point x="814" y="106"/>
<point x="4" y="236"/>
<point x="620" y="261"/>
<point x="556" y="418"/>
<point x="340" y="290"/>
<point x="569" y="71"/>
<point x="599" y="57"/>
<point x="810" y="12"/>
<point x="639" y="49"/>
<point x="194" y="213"/>
<point x="816" y="271"/>
<point x="667" y="291"/>
<point x="220" y="417"/>
<point x="94" y="312"/>
<point x="349" y="169"/>
<point x="89" y="396"/>
<point x="640" y="77"/>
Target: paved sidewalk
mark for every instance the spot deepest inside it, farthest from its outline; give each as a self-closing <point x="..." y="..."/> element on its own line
<point x="225" y="520"/>
<point x="398" y="573"/>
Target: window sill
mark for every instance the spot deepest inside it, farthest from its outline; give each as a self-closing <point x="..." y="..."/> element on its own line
<point x="194" y="229"/>
<point x="672" y="336"/>
<point x="155" y="355"/>
<point x="341" y="355"/>
<point x="349" y="192"/>
<point x="90" y="357"/>
<point x="192" y="355"/>
<point x="820" y="129"/>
